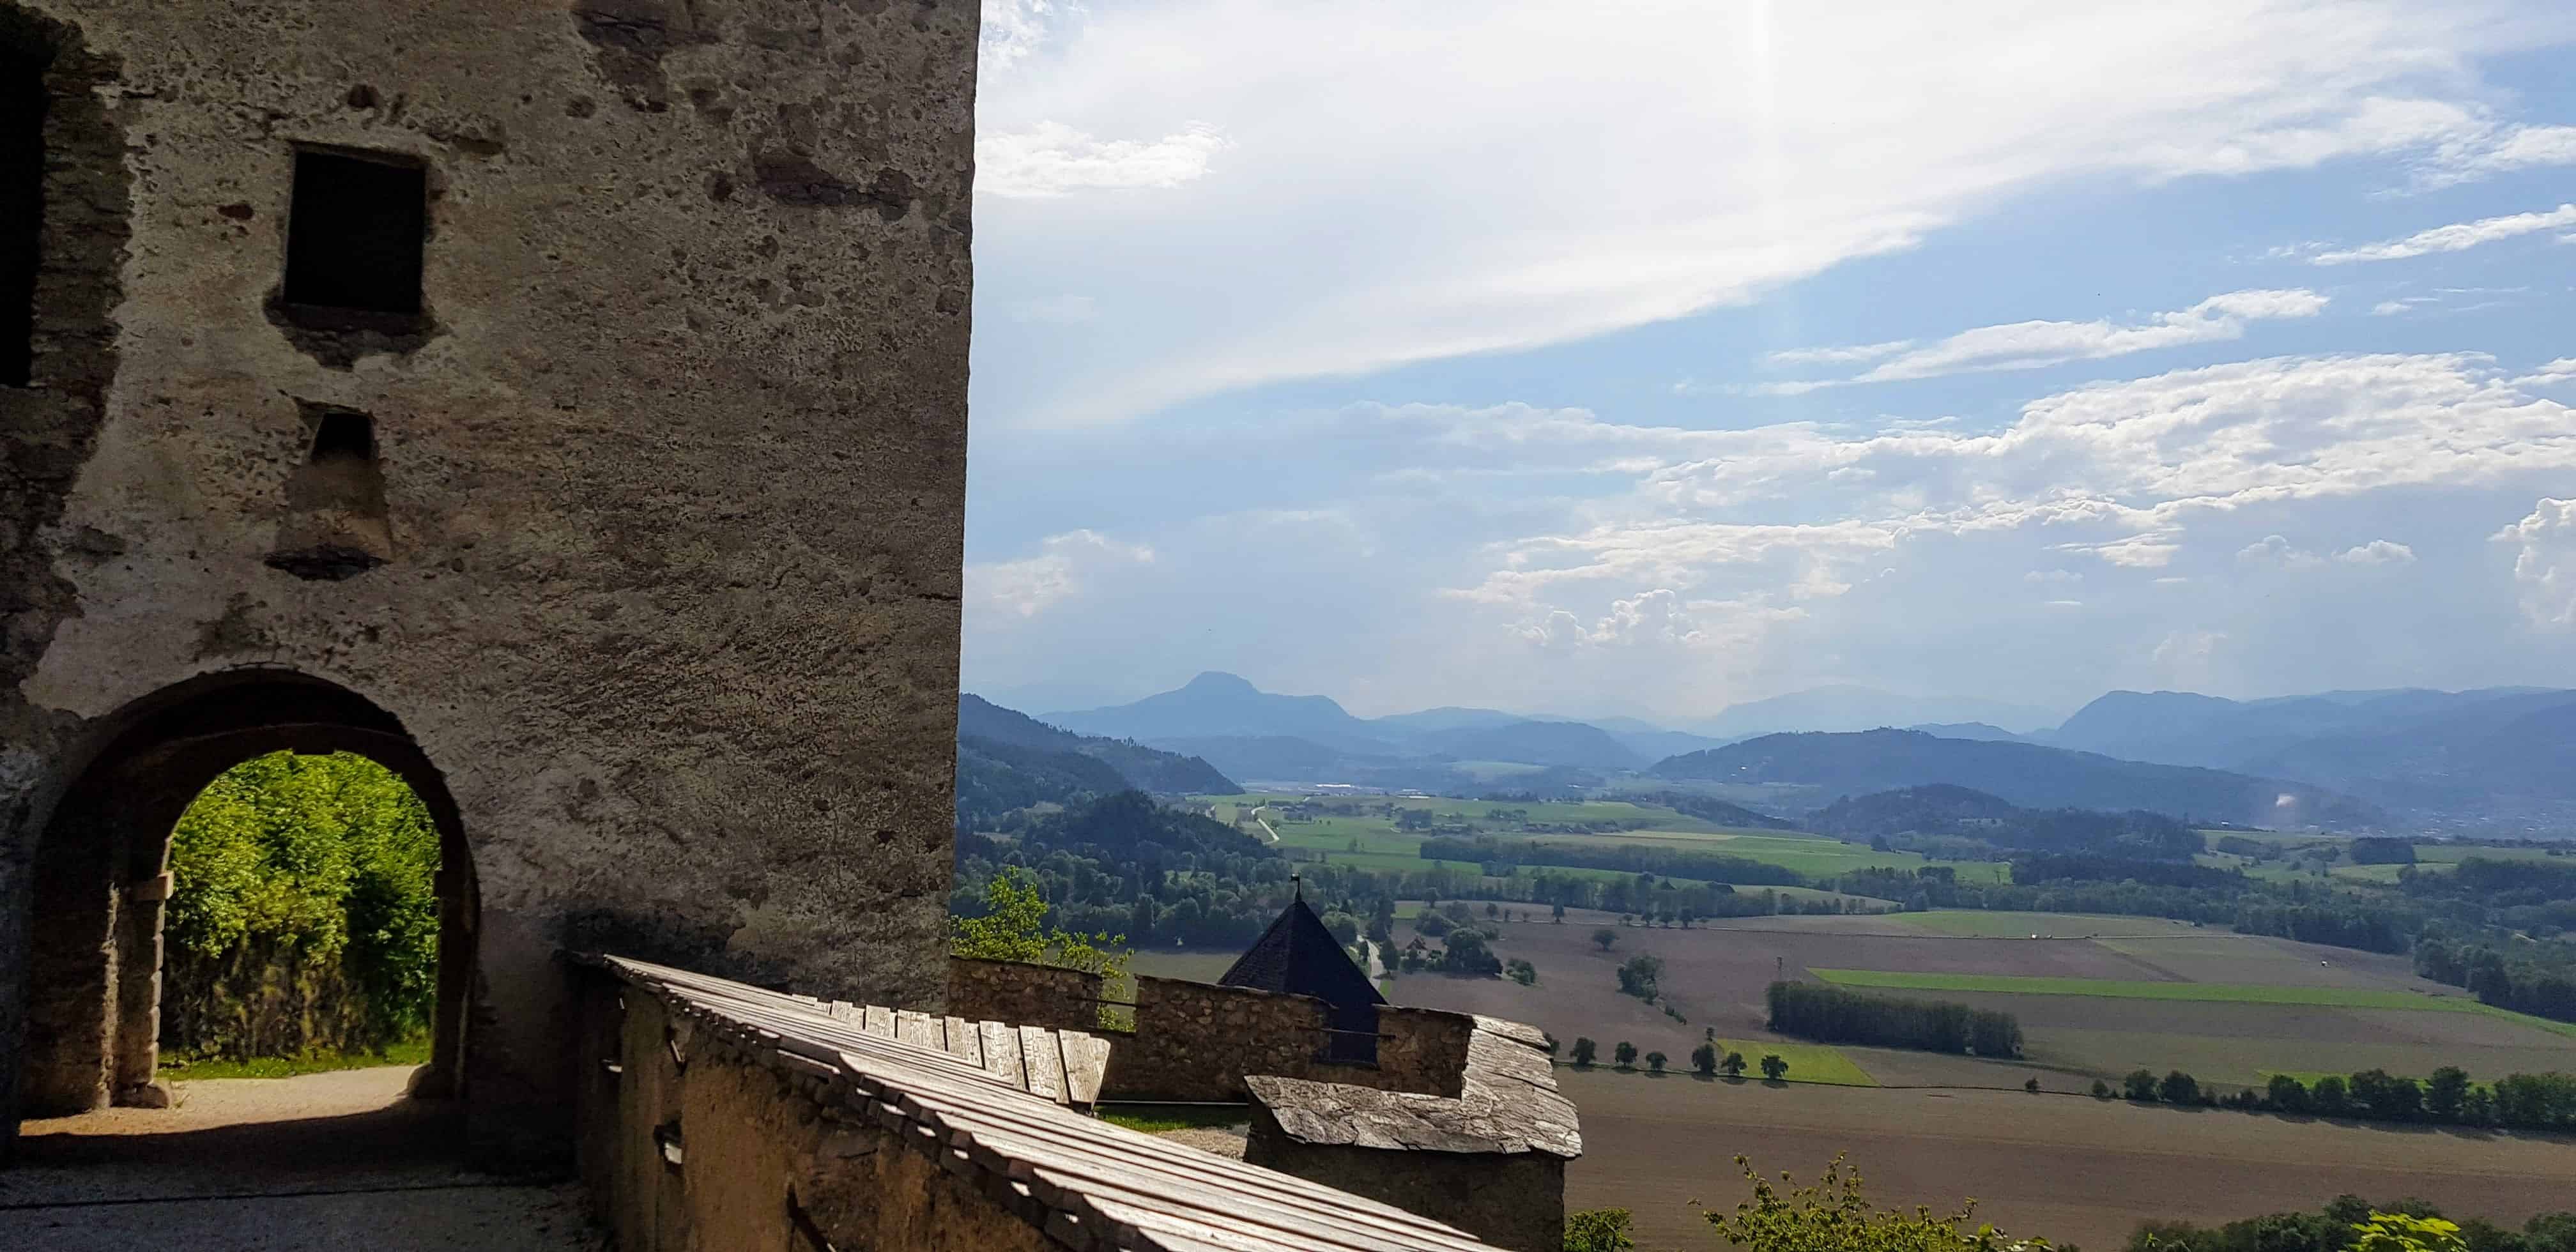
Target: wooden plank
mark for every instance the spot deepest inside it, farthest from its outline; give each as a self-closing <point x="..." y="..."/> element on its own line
<point x="880" y="1021"/>
<point x="965" y="1042"/>
<point x="921" y="1030"/>
<point x="1002" y="1053"/>
<point x="1191" y="1176"/>
<point x="1086" y="1060"/>
<point x="1045" y="1062"/>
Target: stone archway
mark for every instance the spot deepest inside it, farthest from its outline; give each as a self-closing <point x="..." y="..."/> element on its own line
<point x="93" y="977"/>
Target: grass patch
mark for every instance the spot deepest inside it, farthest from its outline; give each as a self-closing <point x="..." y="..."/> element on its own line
<point x="200" y="1069"/>
<point x="1808" y="1062"/>
<point x="2238" y="993"/>
<point x="2539" y="1023"/>
<point x="1156" y="1118"/>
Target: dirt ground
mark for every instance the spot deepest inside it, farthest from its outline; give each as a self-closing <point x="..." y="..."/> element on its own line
<point x="322" y="1162"/>
<point x="2069" y="1168"/>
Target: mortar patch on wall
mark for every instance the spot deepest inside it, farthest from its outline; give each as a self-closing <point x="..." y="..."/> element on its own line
<point x="336" y="524"/>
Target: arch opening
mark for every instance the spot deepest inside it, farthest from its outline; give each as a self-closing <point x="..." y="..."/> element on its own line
<point x="103" y="876"/>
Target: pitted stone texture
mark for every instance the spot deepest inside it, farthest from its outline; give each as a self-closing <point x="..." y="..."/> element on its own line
<point x="673" y="465"/>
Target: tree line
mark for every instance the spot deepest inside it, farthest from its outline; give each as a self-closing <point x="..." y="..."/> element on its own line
<point x="2344" y="1223"/>
<point x="2448" y="1097"/>
<point x="1831" y="1014"/>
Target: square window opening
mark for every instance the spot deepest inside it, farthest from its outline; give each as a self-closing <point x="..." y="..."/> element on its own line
<point x="355" y="230"/>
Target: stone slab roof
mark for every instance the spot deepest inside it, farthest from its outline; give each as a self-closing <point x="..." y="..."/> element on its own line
<point x="1508" y="1104"/>
<point x="1088" y="1184"/>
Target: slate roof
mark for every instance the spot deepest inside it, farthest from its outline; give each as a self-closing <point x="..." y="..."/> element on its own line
<point x="1298" y="956"/>
<point x="1508" y="1103"/>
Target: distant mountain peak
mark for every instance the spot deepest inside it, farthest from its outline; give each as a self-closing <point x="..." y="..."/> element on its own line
<point x="1217" y="681"/>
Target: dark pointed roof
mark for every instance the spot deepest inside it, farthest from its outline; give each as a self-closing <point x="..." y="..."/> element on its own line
<point x="1298" y="956"/>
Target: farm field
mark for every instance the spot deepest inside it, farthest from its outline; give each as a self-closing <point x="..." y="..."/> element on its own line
<point x="2338" y="1015"/>
<point x="2236" y="993"/>
<point x="2068" y="1168"/>
<point x="1986" y="924"/>
<point x="1366" y="837"/>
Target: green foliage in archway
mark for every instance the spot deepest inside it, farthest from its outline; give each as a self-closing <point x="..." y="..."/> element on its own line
<point x="303" y="913"/>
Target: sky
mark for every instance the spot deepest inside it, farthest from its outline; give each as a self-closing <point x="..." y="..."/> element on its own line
<point x="1638" y="358"/>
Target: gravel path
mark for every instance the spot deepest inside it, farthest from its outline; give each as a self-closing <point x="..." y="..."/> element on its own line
<point x="323" y="1161"/>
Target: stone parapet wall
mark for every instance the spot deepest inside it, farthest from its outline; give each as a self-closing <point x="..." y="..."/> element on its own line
<point x="1024" y="994"/>
<point x="1198" y="1041"/>
<point x="1421" y="1050"/>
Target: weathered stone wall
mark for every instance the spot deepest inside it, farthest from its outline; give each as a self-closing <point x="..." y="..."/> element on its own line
<point x="1511" y="1200"/>
<point x="1024" y="994"/>
<point x="672" y="464"/>
<point x="1198" y="1041"/>
<point x="764" y="1163"/>
<point x="1420" y="1050"/>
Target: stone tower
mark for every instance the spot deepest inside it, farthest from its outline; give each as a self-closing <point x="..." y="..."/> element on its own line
<point x="560" y="401"/>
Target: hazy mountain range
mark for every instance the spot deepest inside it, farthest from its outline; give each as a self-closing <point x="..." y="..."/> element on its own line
<point x="2499" y="760"/>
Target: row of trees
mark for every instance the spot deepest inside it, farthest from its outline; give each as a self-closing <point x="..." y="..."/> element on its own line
<point x="1705" y="1059"/>
<point x="2346" y="1224"/>
<point x="2519" y="1101"/>
<point x="1834" y="1015"/>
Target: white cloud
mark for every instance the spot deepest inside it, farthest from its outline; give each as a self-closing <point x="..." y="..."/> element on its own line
<point x="2123" y="472"/>
<point x="2502" y="150"/>
<point x="1051" y="159"/>
<point x="1013" y="31"/>
<point x="1838" y="356"/>
<point x="1405" y="181"/>
<point x="2545" y="569"/>
<point x="1031" y="585"/>
<point x="2378" y="552"/>
<point x="2390" y="308"/>
<point x="2273" y="550"/>
<point x="2457" y="237"/>
<point x="2032" y="345"/>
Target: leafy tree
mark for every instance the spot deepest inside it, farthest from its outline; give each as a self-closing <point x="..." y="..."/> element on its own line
<point x="2031" y="1086"/>
<point x="1435" y="925"/>
<point x="1013" y="929"/>
<point x="1638" y="975"/>
<point x="1559" y="917"/>
<point x="1598" y="1230"/>
<point x="1834" y="1216"/>
<point x="1704" y="1059"/>
<point x="2140" y="1085"/>
<point x="2445" y="1092"/>
<point x="2286" y="1094"/>
<point x="1733" y="1065"/>
<point x="1606" y="937"/>
<point x="2101" y="1090"/>
<point x="2179" y="1088"/>
<point x="1655" y="1061"/>
<point x="2331" y="1096"/>
<point x="1585" y="1050"/>
<point x="1626" y="1053"/>
<point x="2399" y="1232"/>
<point x="1521" y="971"/>
<point x="1492" y="910"/>
<point x="1773" y="1067"/>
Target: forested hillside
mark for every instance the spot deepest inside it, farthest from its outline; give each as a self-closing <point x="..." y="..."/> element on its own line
<point x="2022" y="773"/>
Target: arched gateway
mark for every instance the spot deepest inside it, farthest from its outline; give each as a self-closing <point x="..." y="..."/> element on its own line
<point x="562" y="404"/>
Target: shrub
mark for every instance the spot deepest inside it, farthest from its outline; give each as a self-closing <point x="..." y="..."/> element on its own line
<point x="1704" y="1059"/>
<point x="2179" y="1088"/>
<point x="1585" y="1050"/>
<point x="2140" y="1086"/>
<point x="2031" y="1086"/>
<point x="1655" y="1061"/>
<point x="1834" y="1216"/>
<point x="1598" y="1230"/>
<point x="1626" y="1052"/>
<point x="1733" y="1065"/>
<point x="2101" y="1090"/>
<point x="1606" y="937"/>
<point x="1773" y="1067"/>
